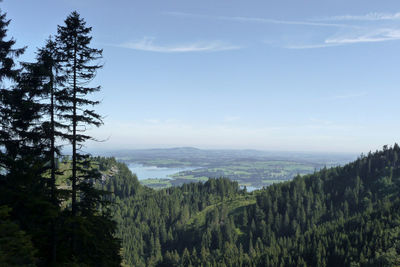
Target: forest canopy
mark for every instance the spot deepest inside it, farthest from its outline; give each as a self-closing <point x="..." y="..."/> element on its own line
<point x="45" y="107"/>
<point x="342" y="216"/>
<point x="80" y="210"/>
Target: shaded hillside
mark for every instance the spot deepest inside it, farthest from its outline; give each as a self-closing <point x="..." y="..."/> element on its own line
<point x="343" y="216"/>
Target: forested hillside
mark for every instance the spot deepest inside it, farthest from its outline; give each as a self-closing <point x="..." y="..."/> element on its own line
<point x="92" y="211"/>
<point x="343" y="216"/>
<point x="45" y="108"/>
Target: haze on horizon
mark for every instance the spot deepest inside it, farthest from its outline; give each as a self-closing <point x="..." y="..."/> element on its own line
<point x="277" y="75"/>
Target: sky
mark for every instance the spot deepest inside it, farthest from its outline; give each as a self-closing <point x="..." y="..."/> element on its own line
<point x="300" y="75"/>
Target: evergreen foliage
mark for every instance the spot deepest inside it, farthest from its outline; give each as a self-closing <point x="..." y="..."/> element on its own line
<point x="76" y="59"/>
<point x="43" y="223"/>
<point x="343" y="216"/>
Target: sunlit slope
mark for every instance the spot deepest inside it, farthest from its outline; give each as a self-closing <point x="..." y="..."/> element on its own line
<point x="341" y="216"/>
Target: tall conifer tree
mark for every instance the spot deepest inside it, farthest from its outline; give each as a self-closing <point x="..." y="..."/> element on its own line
<point x="8" y="75"/>
<point x="47" y="73"/>
<point x="23" y="159"/>
<point x="41" y="103"/>
<point x="79" y="66"/>
<point x="92" y="227"/>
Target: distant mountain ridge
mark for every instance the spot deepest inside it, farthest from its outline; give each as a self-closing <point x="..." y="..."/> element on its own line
<point x="192" y="152"/>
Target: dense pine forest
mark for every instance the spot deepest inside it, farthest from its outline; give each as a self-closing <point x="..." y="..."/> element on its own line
<point x="45" y="107"/>
<point x="342" y="216"/>
<point x="92" y="211"/>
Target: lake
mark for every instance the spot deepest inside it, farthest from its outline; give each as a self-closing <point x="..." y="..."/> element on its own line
<point x="148" y="172"/>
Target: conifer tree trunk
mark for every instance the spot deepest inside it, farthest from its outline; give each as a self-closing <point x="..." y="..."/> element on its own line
<point x="88" y="205"/>
<point x="52" y="142"/>
<point x="39" y="106"/>
<point x="53" y="170"/>
<point x="74" y="156"/>
<point x="42" y="78"/>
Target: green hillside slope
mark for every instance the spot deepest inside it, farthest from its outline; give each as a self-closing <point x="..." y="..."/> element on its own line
<point x="343" y="216"/>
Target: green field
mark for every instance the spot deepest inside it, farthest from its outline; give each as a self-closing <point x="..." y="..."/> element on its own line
<point x="255" y="174"/>
<point x="249" y="168"/>
<point x="232" y="206"/>
<point x="250" y="173"/>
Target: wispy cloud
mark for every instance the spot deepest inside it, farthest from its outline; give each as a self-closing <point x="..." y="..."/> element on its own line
<point x="373" y="16"/>
<point x="310" y="46"/>
<point x="148" y="44"/>
<point x="379" y="35"/>
<point x="259" y="20"/>
<point x="350" y="33"/>
<point x="287" y="22"/>
<point x="354" y="37"/>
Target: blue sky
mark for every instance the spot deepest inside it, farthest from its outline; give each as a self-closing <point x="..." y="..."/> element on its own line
<point x="272" y="75"/>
